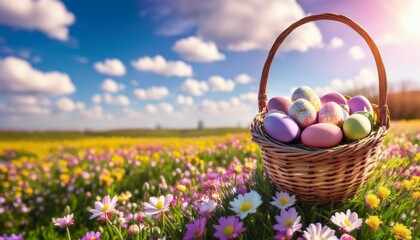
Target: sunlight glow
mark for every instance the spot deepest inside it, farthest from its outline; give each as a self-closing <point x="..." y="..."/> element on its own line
<point x="411" y="19"/>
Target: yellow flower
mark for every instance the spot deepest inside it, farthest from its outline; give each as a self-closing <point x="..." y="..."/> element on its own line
<point x="181" y="188"/>
<point x="65" y="178"/>
<point x="416" y="179"/>
<point x="416" y="194"/>
<point x="401" y="231"/>
<point x="407" y="184"/>
<point x="29" y="191"/>
<point x="124" y="196"/>
<point x="372" y="201"/>
<point x="373" y="222"/>
<point x="383" y="192"/>
<point x="78" y="171"/>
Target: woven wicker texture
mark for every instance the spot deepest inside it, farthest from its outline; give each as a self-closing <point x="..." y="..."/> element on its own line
<point x="315" y="175"/>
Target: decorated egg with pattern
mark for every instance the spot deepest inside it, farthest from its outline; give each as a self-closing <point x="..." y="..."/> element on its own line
<point x="332" y="113"/>
<point x="308" y="94"/>
<point x="303" y="112"/>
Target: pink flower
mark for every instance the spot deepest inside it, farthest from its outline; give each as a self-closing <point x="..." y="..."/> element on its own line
<point x="288" y="222"/>
<point x="157" y="205"/>
<point x="92" y="236"/>
<point x="64" y="222"/>
<point x="228" y="228"/>
<point x="195" y="229"/>
<point x="104" y="208"/>
<point x="206" y="207"/>
<point x="345" y="236"/>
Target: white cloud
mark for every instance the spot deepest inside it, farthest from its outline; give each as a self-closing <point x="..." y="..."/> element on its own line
<point x="219" y="84"/>
<point x="196" y="50"/>
<point x="80" y="106"/>
<point x="356" y="53"/>
<point x="249" y="97"/>
<point x="110" y="66"/>
<point x="154" y="93"/>
<point x="81" y="59"/>
<point x="121" y="100"/>
<point x="96" y="99"/>
<point x="185" y="100"/>
<point x="96" y="113"/>
<point x="365" y="78"/>
<point x="150" y="108"/>
<point x="131" y="113"/>
<point x="22" y="101"/>
<point x="65" y="104"/>
<point x="109" y="85"/>
<point x="48" y="16"/>
<point x="243" y="78"/>
<point x="240" y="25"/>
<point x="18" y="76"/>
<point x="160" y="65"/>
<point x="165" y="108"/>
<point x="336" y="43"/>
<point x="194" y="87"/>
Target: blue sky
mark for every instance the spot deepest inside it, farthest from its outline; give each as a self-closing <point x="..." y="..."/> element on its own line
<point x="125" y="64"/>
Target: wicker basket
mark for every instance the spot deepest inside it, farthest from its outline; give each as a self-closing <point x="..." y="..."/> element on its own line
<point x="315" y="175"/>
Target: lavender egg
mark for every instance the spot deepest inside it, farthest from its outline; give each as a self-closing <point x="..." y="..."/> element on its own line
<point x="281" y="104"/>
<point x="281" y="127"/>
<point x="332" y="113"/>
<point x="360" y="103"/>
<point x="308" y="94"/>
<point x="334" y="97"/>
<point x="303" y="112"/>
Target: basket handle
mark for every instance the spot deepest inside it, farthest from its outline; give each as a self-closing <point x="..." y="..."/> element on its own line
<point x="383" y="113"/>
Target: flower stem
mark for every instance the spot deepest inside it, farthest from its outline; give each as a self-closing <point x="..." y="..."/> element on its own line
<point x="68" y="233"/>
<point x="163" y="222"/>
<point x="114" y="228"/>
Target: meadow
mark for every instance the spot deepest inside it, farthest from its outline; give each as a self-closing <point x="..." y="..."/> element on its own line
<point x="195" y="187"/>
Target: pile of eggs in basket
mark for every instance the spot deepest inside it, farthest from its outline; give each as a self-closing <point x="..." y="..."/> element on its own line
<point x="318" y="122"/>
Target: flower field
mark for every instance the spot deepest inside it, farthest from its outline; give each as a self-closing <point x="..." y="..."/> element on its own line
<point x="211" y="187"/>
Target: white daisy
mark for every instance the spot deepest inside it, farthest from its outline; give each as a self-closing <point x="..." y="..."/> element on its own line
<point x="283" y="200"/>
<point x="103" y="208"/>
<point x="245" y="204"/>
<point x="317" y="232"/>
<point x="348" y="221"/>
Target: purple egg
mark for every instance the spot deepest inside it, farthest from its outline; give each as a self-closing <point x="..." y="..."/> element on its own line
<point x="359" y="103"/>
<point x="281" y="127"/>
<point x="334" y="97"/>
<point x="281" y="104"/>
<point x="303" y="112"/>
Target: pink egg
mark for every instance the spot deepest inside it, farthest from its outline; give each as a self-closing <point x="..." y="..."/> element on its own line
<point x="308" y="94"/>
<point x="281" y="127"/>
<point x="360" y="103"/>
<point x="322" y="135"/>
<point x="281" y="104"/>
<point x="303" y="112"/>
<point x="334" y="97"/>
<point x="332" y="113"/>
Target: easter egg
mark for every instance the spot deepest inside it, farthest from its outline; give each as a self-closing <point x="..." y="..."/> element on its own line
<point x="332" y="113"/>
<point x="308" y="94"/>
<point x="281" y="104"/>
<point x="359" y="103"/>
<point x="303" y="112"/>
<point x="356" y="127"/>
<point x="334" y="97"/>
<point x="281" y="127"/>
<point x="322" y="135"/>
<point x="345" y="113"/>
<point x="368" y="115"/>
